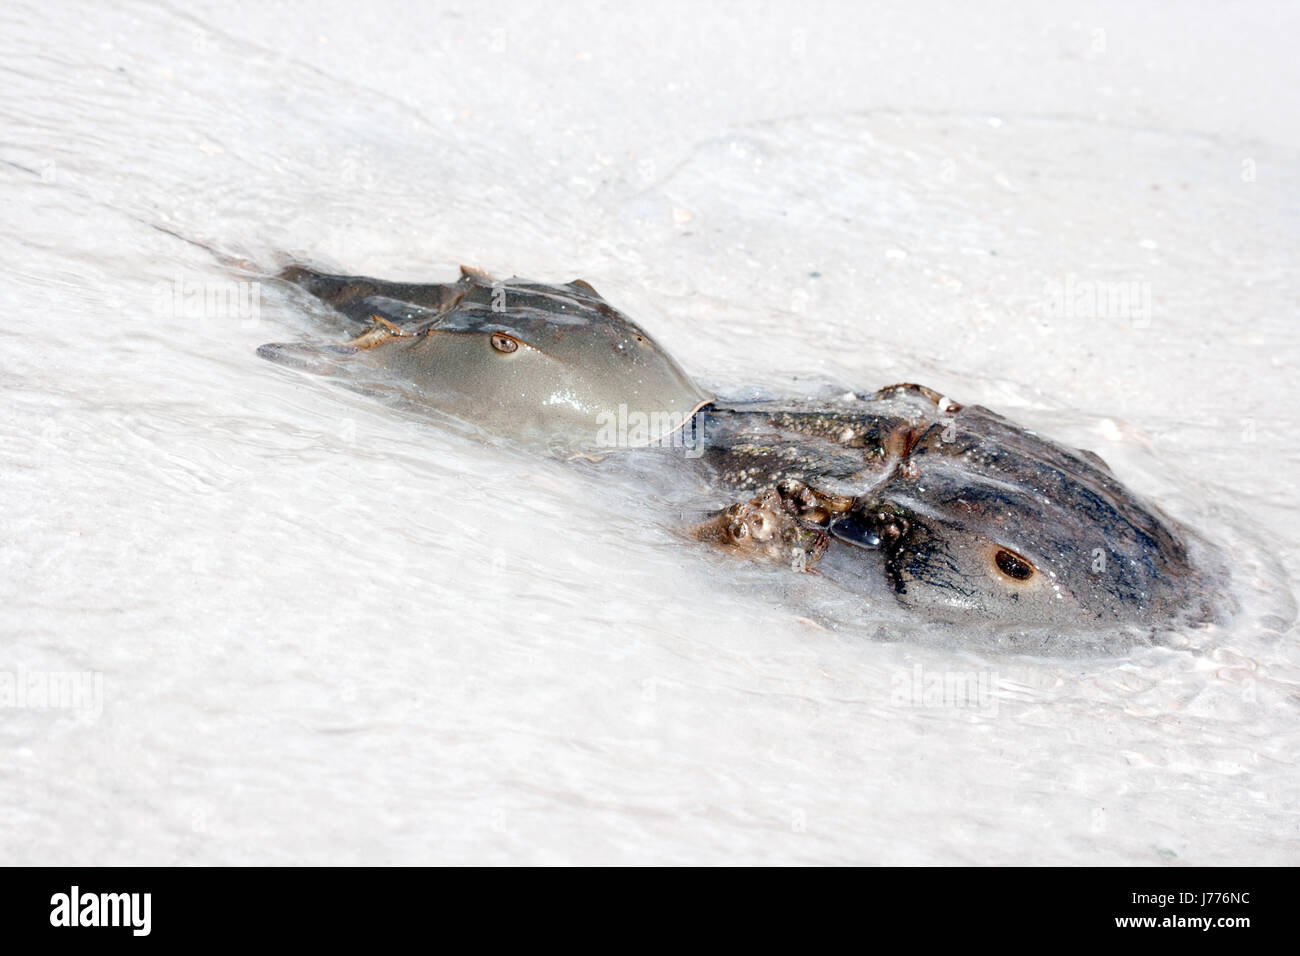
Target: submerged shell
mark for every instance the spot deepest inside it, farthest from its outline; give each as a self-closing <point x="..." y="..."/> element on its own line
<point x="552" y="364"/>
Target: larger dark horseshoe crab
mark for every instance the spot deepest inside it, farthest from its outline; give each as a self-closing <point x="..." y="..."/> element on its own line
<point x="967" y="516"/>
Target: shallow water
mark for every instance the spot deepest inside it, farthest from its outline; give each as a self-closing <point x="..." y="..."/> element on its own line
<point x="325" y="631"/>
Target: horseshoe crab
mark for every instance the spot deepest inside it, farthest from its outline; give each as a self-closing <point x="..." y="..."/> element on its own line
<point x="964" y="515"/>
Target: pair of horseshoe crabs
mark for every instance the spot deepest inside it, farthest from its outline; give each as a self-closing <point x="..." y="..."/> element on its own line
<point x="962" y="515"/>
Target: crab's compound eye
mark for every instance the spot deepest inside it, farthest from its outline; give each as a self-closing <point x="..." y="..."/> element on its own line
<point x="1013" y="565"/>
<point x="504" y="343"/>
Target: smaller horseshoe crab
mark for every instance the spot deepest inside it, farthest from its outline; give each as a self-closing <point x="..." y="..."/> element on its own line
<point x="521" y="360"/>
<point x="965" y="516"/>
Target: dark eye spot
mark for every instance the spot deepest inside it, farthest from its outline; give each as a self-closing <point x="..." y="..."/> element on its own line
<point x="503" y="343"/>
<point x="1013" y="566"/>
